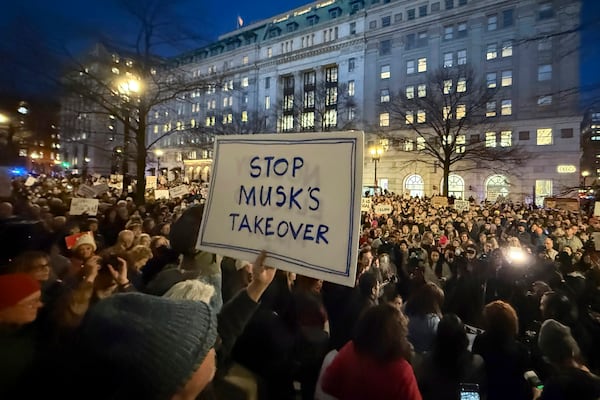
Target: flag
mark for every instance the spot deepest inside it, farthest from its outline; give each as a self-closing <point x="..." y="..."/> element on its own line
<point x="240" y="21"/>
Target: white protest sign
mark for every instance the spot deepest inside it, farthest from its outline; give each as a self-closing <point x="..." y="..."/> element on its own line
<point x="365" y="204"/>
<point x="150" y="182"/>
<point x="179" y="191"/>
<point x="86" y="191"/>
<point x="461" y="205"/>
<point x="83" y="206"/>
<point x="161" y="194"/>
<point x="100" y="188"/>
<point x="383" y="209"/>
<point x="597" y="209"/>
<point x="297" y="196"/>
<point x="30" y="181"/>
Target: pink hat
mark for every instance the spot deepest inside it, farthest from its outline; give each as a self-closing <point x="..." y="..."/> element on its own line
<point x="443" y="241"/>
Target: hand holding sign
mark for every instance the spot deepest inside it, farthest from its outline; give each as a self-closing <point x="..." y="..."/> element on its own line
<point x="262" y="276"/>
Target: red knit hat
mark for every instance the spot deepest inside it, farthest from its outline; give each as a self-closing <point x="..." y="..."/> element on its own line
<point x="16" y="287"/>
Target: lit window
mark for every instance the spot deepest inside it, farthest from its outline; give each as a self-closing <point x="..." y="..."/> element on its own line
<point x="492" y="51"/>
<point x="409" y="145"/>
<point x="506" y="107"/>
<point x="245" y="81"/>
<point x="492" y="22"/>
<point x="410" y="92"/>
<point x="421" y="117"/>
<point x="193" y="123"/>
<point x="506" y="78"/>
<point x="491" y="80"/>
<point x="267" y="102"/>
<point x="244" y="116"/>
<point x="410" y="67"/>
<point x="461" y="85"/>
<point x="422" y="90"/>
<point x="505" y="138"/>
<point x="544" y="72"/>
<point x="410" y="119"/>
<point x="385" y="72"/>
<point x="490" y="109"/>
<point x="245" y="60"/>
<point x="420" y="143"/>
<point x="384" y="96"/>
<point x="269" y="52"/>
<point x="461" y="141"/>
<point x="447" y="86"/>
<point x="422" y="64"/>
<point x="448" y="58"/>
<point x="155" y="129"/>
<point x="461" y="111"/>
<point x="384" y="119"/>
<point x="544" y="136"/>
<point x="308" y="120"/>
<point x="544" y="100"/>
<point x="490" y="139"/>
<point x="351" y="88"/>
<point x="446" y="112"/>
<point x="507" y="49"/>
<point x="461" y="57"/>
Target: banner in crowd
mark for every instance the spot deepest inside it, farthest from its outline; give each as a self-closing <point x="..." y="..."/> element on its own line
<point x="150" y="182"/>
<point x="81" y="206"/>
<point x="297" y="196"/>
<point x="161" y="194"/>
<point x="86" y="191"/>
<point x="381" y="209"/>
<point x="461" y="205"/>
<point x="439" y="201"/>
<point x="365" y="204"/>
<point x="100" y="188"/>
<point x="179" y="191"/>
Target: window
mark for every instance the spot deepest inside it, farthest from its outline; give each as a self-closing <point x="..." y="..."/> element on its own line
<point x="473" y="139"/>
<point x="245" y="60"/>
<point x="384" y="119"/>
<point x="507" y="18"/>
<point x="269" y="52"/>
<point x="421" y="117"/>
<point x="386" y="21"/>
<point x="435" y="6"/>
<point x="566" y="133"/>
<point x="351" y="64"/>
<point x="384" y="95"/>
<point x="448" y="32"/>
<point x="267" y="102"/>
<point x="410" y="119"/>
<point x="352" y="28"/>
<point x="492" y="22"/>
<point x="505" y="138"/>
<point x="490" y="139"/>
<point x="507" y="49"/>
<point x="423" y="11"/>
<point x="506" y="107"/>
<point x="461" y="30"/>
<point x="267" y="82"/>
<point x="410" y="67"/>
<point x="461" y="111"/>
<point x="543" y="189"/>
<point x="422" y="64"/>
<point x="545" y="44"/>
<point x="448" y="58"/>
<point x="409" y="145"/>
<point x="544" y="100"/>
<point x="446" y="112"/>
<point x="385" y="47"/>
<point x="506" y="78"/>
<point x="491" y="80"/>
<point x="461" y="85"/>
<point x="372" y="24"/>
<point x="422" y="39"/>
<point x="447" y="86"/>
<point x="308" y="120"/>
<point x="245" y="81"/>
<point x="544" y="136"/>
<point x="244" y="116"/>
<point x="544" y="72"/>
<point x="410" y="42"/>
<point x="491" y="52"/>
<point x="351" y="88"/>
<point x="545" y="11"/>
<point x="449" y="4"/>
<point x="422" y="90"/>
<point x="410" y="92"/>
<point x="461" y="57"/>
<point x="331" y="74"/>
<point x="410" y="14"/>
<point x="462" y="2"/>
<point x="461" y="141"/>
<point x="490" y="109"/>
<point x="523" y="135"/>
<point x="385" y="72"/>
<point x="397" y="17"/>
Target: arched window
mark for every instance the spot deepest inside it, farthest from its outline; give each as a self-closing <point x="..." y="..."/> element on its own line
<point x="415" y="185"/>
<point x="456" y="186"/>
<point x="495" y="186"/>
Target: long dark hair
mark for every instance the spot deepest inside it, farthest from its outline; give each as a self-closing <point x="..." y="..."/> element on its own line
<point x="450" y="344"/>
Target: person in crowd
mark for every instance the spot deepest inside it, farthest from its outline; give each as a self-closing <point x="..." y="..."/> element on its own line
<point x="450" y="363"/>
<point x="125" y="242"/>
<point x="506" y="359"/>
<point x="375" y="364"/>
<point x="424" y="311"/>
<point x="137" y="258"/>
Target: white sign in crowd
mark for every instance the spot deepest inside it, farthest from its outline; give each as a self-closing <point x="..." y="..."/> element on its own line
<point x="80" y="206"/>
<point x="297" y="196"/>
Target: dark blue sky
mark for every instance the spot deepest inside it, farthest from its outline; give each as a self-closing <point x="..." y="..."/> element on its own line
<point x="72" y="23"/>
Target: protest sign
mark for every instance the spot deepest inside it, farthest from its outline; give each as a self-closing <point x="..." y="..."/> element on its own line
<point x="161" y="194"/>
<point x="383" y="209"/>
<point x="365" y="204"/>
<point x="83" y="206"/>
<point x="30" y="181"/>
<point x="86" y="191"/>
<point x="297" y="196"/>
<point x="461" y="205"/>
<point x="179" y="191"/>
<point x="100" y="188"/>
<point x="439" y="201"/>
<point x="150" y="182"/>
<point x="597" y="209"/>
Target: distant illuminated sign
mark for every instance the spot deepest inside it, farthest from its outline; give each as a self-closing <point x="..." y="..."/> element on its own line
<point x="566" y="169"/>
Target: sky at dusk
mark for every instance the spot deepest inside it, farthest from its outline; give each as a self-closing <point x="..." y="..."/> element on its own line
<point x="73" y="24"/>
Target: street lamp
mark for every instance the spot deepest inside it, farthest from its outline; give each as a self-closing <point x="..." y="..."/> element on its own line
<point x="376" y="153"/>
<point x="584" y="175"/>
<point x="158" y="153"/>
<point x="127" y="87"/>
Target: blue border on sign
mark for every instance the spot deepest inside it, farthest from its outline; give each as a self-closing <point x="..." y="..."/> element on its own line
<point x="281" y="257"/>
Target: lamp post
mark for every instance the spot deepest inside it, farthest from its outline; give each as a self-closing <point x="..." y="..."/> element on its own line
<point x="126" y="88"/>
<point x="158" y="153"/>
<point x="376" y="153"/>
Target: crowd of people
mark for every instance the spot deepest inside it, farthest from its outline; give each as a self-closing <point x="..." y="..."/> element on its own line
<point x="122" y="305"/>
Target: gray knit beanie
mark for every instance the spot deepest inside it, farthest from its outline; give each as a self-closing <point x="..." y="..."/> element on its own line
<point x="556" y="342"/>
<point x="154" y="343"/>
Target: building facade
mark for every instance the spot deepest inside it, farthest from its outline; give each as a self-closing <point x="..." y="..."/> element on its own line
<point x="332" y="65"/>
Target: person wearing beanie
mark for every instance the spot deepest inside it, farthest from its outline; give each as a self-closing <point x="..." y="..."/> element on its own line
<point x="571" y="378"/>
<point x="20" y="300"/>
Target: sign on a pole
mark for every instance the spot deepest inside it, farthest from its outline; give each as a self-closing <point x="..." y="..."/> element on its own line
<point x="297" y="196"/>
<point x="365" y="204"/>
<point x="81" y="206"/>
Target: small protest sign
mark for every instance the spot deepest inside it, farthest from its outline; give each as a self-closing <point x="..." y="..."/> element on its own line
<point x="439" y="201"/>
<point x="81" y="206"/>
<point x="179" y="191"/>
<point x="30" y="181"/>
<point x="383" y="209"/>
<point x="297" y="196"/>
<point x="161" y="194"/>
<point x="461" y="205"/>
<point x="150" y="182"/>
<point x="365" y="204"/>
<point x="100" y="188"/>
<point x="86" y="191"/>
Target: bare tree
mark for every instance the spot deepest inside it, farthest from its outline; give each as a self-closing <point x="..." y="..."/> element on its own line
<point x="447" y="114"/>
